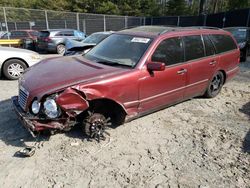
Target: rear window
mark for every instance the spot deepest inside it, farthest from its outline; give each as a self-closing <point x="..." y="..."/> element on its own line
<point x="34" y="33"/>
<point x="209" y="47"/>
<point x="193" y="47"/>
<point x="44" y="33"/>
<point x="18" y="34"/>
<point x="223" y="43"/>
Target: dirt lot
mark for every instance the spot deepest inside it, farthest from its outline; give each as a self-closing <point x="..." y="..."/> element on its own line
<point x="201" y="143"/>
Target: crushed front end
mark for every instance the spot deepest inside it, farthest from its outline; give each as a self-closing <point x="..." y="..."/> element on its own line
<point x="58" y="111"/>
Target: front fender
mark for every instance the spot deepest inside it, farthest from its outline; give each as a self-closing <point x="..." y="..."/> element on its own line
<point x="71" y="100"/>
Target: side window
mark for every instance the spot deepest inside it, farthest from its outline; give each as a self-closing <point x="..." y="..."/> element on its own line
<point x="79" y="34"/>
<point x="60" y="34"/>
<point x="209" y="47"/>
<point x="169" y="51"/>
<point x="193" y="47"/>
<point x="69" y="33"/>
<point x="223" y="43"/>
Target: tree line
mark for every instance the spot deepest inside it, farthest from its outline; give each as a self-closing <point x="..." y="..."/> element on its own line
<point x="133" y="7"/>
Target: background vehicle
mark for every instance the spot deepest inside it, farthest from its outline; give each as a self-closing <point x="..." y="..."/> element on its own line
<point x="14" y="61"/>
<point x="129" y="74"/>
<point x="242" y="36"/>
<point x="54" y="40"/>
<point x="2" y="33"/>
<point x="29" y="37"/>
<point x="74" y="47"/>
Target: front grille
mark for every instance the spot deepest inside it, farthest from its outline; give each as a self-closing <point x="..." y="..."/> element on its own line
<point x="23" y="96"/>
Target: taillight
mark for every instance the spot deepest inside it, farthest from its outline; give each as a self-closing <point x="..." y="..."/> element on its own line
<point x="47" y="39"/>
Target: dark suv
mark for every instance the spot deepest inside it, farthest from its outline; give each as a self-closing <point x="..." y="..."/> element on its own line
<point x="242" y="36"/>
<point x="129" y="74"/>
<point x="53" y="40"/>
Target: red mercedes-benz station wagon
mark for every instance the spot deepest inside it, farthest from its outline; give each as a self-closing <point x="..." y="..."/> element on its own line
<point x="129" y="74"/>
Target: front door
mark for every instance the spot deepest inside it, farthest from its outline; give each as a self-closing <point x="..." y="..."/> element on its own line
<point x="162" y="88"/>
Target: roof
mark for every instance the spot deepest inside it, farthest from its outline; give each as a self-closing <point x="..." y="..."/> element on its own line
<point x="58" y="30"/>
<point x="154" y="31"/>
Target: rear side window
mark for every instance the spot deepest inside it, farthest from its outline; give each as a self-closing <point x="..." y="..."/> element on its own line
<point x="65" y="33"/>
<point x="169" y="51"/>
<point x="223" y="43"/>
<point x="44" y="33"/>
<point x="209" y="47"/>
<point x="193" y="47"/>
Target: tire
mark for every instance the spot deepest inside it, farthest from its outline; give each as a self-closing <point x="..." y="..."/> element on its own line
<point x="13" y="69"/>
<point x="215" y="85"/>
<point x="60" y="49"/>
<point x="244" y="57"/>
<point x="95" y="126"/>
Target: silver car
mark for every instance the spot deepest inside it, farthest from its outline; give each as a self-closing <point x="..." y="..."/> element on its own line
<point x="14" y="61"/>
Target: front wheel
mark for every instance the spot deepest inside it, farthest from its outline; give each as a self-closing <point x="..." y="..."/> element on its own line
<point x="13" y="69"/>
<point x="215" y="85"/>
<point x="95" y="126"/>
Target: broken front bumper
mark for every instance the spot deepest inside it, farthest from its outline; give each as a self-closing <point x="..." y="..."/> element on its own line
<point x="23" y="117"/>
<point x="34" y="124"/>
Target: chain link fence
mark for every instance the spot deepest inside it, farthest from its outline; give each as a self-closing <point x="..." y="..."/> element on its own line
<point x="21" y="18"/>
<point x="223" y="19"/>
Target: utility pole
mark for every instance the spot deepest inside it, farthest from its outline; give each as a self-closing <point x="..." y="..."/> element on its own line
<point x="201" y="8"/>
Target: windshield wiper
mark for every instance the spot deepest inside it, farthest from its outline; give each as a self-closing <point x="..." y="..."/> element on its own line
<point x="113" y="63"/>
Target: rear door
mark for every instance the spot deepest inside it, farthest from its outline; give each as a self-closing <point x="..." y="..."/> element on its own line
<point x="200" y="55"/>
<point x="161" y="88"/>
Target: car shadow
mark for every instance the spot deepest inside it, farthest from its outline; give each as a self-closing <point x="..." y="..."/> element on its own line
<point x="14" y="134"/>
<point x="11" y="131"/>
<point x="246" y="143"/>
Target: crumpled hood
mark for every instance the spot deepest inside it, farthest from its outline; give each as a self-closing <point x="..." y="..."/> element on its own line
<point x="55" y="74"/>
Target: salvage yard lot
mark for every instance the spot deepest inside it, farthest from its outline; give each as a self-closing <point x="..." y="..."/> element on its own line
<point x="197" y="143"/>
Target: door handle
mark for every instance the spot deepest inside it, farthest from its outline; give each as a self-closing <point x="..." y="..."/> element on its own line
<point x="213" y="62"/>
<point x="182" y="71"/>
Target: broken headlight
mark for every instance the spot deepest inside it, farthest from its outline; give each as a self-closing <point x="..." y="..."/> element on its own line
<point x="51" y="109"/>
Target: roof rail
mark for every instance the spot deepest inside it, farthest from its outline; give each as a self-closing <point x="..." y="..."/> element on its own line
<point x="204" y="27"/>
<point x="168" y="30"/>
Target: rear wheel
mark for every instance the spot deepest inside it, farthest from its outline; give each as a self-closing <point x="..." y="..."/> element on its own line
<point x="60" y="49"/>
<point x="13" y="69"/>
<point x="215" y="85"/>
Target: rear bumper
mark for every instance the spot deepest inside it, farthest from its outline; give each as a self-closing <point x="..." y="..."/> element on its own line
<point x="51" y="47"/>
<point x="231" y="73"/>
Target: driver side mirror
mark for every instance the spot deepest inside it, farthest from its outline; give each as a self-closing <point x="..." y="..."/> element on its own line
<point x="156" y="66"/>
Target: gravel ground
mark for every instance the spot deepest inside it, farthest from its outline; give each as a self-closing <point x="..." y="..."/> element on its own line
<point x="201" y="143"/>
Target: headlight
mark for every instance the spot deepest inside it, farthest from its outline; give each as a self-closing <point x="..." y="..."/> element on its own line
<point x="51" y="109"/>
<point x="35" y="56"/>
<point x="35" y="107"/>
<point x="242" y="44"/>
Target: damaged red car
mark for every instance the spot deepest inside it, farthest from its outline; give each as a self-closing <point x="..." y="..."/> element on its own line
<point x="129" y="74"/>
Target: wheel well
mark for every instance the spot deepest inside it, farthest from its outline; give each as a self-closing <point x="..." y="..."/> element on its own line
<point x="109" y="108"/>
<point x="12" y="59"/>
<point x="224" y="74"/>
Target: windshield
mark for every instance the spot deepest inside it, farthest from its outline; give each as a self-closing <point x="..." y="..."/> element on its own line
<point x="95" y="38"/>
<point x="124" y="50"/>
<point x="239" y="34"/>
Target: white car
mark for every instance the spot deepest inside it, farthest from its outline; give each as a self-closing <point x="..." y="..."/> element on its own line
<point x="14" y="61"/>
